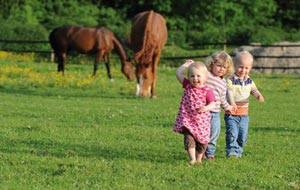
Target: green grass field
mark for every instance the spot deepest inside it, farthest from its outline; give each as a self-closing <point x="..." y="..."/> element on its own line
<point x="76" y="132"/>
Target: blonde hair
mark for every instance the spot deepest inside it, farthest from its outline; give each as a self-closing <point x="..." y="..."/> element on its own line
<point x="200" y="66"/>
<point x="221" y="57"/>
<point x="239" y="55"/>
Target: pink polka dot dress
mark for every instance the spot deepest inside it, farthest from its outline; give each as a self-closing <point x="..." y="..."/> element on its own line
<point x="189" y="117"/>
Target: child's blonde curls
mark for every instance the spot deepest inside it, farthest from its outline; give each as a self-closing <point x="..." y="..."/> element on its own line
<point x="222" y="58"/>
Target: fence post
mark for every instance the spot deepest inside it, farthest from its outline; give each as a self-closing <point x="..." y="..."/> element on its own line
<point x="52" y="56"/>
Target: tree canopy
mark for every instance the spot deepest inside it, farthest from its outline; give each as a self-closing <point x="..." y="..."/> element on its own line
<point x="188" y="21"/>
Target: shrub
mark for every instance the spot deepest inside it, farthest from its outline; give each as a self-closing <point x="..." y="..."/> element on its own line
<point x="18" y="31"/>
<point x="267" y="35"/>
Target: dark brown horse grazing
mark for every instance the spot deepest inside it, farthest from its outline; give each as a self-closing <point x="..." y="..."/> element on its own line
<point x="148" y="37"/>
<point x="93" y="40"/>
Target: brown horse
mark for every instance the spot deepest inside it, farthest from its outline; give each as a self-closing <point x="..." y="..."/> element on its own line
<point x="148" y="36"/>
<point x="92" y="40"/>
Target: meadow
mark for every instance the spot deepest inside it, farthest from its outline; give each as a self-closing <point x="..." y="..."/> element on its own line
<point x="79" y="132"/>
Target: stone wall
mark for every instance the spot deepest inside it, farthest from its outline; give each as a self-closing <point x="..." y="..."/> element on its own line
<point x="283" y="57"/>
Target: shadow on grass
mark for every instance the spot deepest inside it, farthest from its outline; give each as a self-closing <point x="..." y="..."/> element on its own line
<point x="50" y="148"/>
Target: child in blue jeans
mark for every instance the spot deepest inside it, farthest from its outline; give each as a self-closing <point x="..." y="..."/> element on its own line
<point x="219" y="65"/>
<point x="240" y="87"/>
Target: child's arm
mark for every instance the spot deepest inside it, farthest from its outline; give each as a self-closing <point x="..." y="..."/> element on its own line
<point x="233" y="106"/>
<point x="230" y="97"/>
<point x="259" y="97"/>
<point x="256" y="93"/>
<point x="227" y="105"/>
<point x="211" y="102"/>
<point x="181" y="69"/>
<point x="208" y="107"/>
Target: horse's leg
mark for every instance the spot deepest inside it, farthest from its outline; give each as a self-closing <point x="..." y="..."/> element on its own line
<point x="155" y="59"/>
<point x="64" y="57"/>
<point x="139" y="79"/>
<point x="147" y="81"/>
<point x="97" y="61"/>
<point x="107" y="65"/>
<point x="60" y="62"/>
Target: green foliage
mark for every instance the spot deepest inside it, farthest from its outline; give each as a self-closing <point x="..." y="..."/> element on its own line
<point x="241" y="35"/>
<point x="162" y="6"/>
<point x="205" y="21"/>
<point x="267" y="35"/>
<point x="115" y="20"/>
<point x="177" y="30"/>
<point x="15" y="30"/>
<point x="177" y="37"/>
<point x="66" y="12"/>
<point x="293" y="35"/>
<point x="288" y="14"/>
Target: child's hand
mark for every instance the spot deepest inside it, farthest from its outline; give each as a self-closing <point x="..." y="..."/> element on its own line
<point x="189" y="61"/>
<point x="260" y="98"/>
<point x="232" y="108"/>
<point x="203" y="109"/>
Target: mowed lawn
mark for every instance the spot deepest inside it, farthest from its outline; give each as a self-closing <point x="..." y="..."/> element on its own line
<point x="79" y="132"/>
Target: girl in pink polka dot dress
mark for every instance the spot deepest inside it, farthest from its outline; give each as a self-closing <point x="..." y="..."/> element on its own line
<point x="193" y="119"/>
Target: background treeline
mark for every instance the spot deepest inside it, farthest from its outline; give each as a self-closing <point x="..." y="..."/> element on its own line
<point x="188" y="21"/>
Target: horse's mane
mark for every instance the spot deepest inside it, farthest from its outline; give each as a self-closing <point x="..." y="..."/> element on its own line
<point x="110" y="36"/>
<point x="120" y="46"/>
<point x="145" y="54"/>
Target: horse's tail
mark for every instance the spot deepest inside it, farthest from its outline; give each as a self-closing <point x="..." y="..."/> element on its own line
<point x="53" y="39"/>
<point x="51" y="36"/>
<point x="145" y="54"/>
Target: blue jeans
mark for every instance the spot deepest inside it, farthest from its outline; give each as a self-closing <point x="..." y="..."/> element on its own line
<point x="215" y="127"/>
<point x="236" y="133"/>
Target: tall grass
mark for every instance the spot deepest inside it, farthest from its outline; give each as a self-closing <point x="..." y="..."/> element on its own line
<point x="78" y="132"/>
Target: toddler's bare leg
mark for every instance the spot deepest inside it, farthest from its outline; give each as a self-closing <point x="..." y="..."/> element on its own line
<point x="192" y="155"/>
<point x="199" y="157"/>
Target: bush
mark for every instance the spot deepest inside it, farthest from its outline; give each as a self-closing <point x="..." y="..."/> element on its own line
<point x="267" y="35"/>
<point x="115" y="21"/>
<point x="240" y="35"/>
<point x="292" y="35"/>
<point x="177" y="29"/>
<point x="176" y="38"/>
<point x="18" y="31"/>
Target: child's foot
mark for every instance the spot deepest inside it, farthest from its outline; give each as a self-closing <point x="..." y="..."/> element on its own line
<point x="199" y="162"/>
<point x="192" y="162"/>
<point x="232" y="156"/>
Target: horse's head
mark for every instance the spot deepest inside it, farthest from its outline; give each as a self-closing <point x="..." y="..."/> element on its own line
<point x="127" y="70"/>
<point x="144" y="76"/>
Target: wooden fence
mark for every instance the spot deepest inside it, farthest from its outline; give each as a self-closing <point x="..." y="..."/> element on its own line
<point x="51" y="53"/>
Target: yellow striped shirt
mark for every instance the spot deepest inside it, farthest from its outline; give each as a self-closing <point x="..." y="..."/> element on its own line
<point x="241" y="90"/>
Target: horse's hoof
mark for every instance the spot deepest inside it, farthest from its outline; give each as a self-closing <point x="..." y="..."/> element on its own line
<point x="111" y="80"/>
<point x="153" y="97"/>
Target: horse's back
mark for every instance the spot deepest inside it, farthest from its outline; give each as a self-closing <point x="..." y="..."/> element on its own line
<point x="148" y="25"/>
<point x="81" y="39"/>
<point x="59" y="37"/>
<point x="159" y="29"/>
